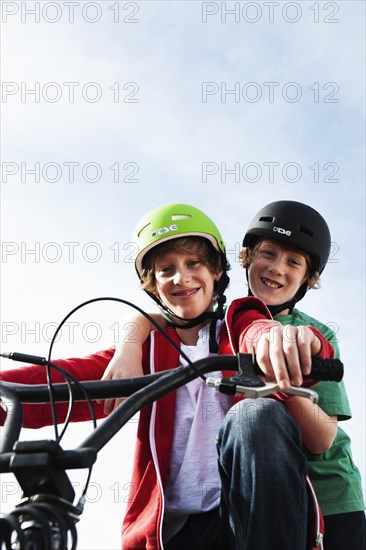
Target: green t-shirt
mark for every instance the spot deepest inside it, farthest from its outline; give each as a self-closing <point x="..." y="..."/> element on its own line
<point x="335" y="477"/>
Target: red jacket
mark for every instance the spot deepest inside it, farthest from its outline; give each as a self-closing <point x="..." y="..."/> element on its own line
<point x="142" y="524"/>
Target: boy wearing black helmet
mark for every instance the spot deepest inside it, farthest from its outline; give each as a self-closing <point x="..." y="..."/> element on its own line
<point x="286" y="248"/>
<point x="298" y="227"/>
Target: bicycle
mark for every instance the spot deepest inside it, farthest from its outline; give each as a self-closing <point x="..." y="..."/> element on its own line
<point x="47" y="518"/>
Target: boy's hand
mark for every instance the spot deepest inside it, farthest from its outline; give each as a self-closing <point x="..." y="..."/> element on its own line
<point x="126" y="363"/>
<point x="284" y="353"/>
<point x="127" y="360"/>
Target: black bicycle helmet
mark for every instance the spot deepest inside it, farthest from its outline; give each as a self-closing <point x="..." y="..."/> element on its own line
<point x="295" y="224"/>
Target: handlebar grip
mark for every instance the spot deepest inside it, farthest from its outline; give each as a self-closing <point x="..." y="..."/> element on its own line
<point x="326" y="369"/>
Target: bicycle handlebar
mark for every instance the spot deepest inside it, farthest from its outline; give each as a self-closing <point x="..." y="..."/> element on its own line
<point x="25" y="457"/>
<point x="322" y="369"/>
<point x="146" y="389"/>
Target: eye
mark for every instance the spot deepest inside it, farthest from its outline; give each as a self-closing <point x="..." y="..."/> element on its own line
<point x="165" y="269"/>
<point x="267" y="253"/>
<point x="194" y="262"/>
<point x="295" y="262"/>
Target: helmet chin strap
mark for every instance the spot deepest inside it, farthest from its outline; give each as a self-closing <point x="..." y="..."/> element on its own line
<point x="172" y="318"/>
<point x="219" y="313"/>
<point x="179" y="322"/>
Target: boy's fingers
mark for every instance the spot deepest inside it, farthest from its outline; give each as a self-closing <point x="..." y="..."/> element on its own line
<point x="277" y="357"/>
<point x="291" y="352"/>
<point x="262" y="357"/>
<point x="265" y="352"/>
<point x="118" y="401"/>
<point x="108" y="405"/>
<point x="106" y="376"/>
<point x="112" y="404"/>
<point x="304" y="338"/>
<point x="284" y="354"/>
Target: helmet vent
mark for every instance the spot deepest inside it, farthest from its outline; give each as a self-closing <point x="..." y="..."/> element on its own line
<point x="306" y="230"/>
<point x="269" y="219"/>
<point x="177" y="217"/>
<point x="144" y="229"/>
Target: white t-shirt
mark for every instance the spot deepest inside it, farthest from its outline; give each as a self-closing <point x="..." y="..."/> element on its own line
<point x="193" y="483"/>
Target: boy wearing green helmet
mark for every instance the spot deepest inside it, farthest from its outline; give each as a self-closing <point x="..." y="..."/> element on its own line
<point x="181" y="496"/>
<point x="162" y="225"/>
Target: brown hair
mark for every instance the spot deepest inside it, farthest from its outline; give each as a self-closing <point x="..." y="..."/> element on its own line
<point x="193" y="245"/>
<point x="247" y="255"/>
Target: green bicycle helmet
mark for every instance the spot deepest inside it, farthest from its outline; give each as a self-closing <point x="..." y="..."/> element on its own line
<point x="172" y="221"/>
<point x="295" y="224"/>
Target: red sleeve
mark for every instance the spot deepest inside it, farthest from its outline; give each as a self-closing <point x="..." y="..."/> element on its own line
<point x="90" y="367"/>
<point x="239" y="319"/>
<point x="245" y="328"/>
<point x="327" y="351"/>
<point x="252" y="333"/>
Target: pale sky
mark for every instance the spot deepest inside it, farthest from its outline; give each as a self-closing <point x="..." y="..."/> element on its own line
<point x="110" y="109"/>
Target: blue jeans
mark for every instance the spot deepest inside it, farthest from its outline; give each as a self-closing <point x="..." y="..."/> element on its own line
<point x="263" y="473"/>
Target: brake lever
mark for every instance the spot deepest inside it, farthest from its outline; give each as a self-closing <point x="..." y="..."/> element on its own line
<point x="246" y="382"/>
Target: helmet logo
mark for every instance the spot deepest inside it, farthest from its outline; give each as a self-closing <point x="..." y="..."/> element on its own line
<point x="282" y="231"/>
<point x="163" y="230"/>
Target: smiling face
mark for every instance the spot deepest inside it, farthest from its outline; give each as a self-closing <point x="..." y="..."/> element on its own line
<point x="182" y="273"/>
<point x="276" y="272"/>
<point x="185" y="284"/>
